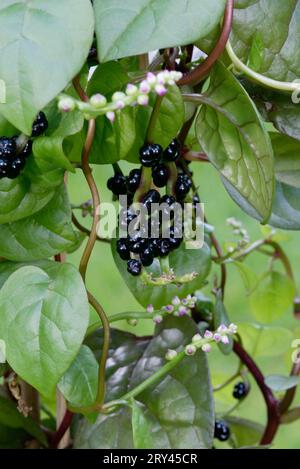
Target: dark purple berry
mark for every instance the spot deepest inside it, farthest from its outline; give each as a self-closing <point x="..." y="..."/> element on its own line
<point x="117" y="184"/>
<point x="137" y="245"/>
<point x="239" y="391"/>
<point x="163" y="247"/>
<point x="123" y="249"/>
<point x="134" y="267"/>
<point x="3" y="168"/>
<point x="27" y="150"/>
<point x="172" y="152"/>
<point x="222" y="431"/>
<point x="40" y="125"/>
<point x="147" y="257"/>
<point x="150" y="198"/>
<point x="8" y="147"/>
<point x="133" y="180"/>
<point x="150" y="154"/>
<point x="160" y="175"/>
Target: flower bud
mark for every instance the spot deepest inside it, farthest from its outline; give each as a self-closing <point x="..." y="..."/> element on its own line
<point x="158" y="318"/>
<point x="170" y="354"/>
<point x="110" y="116"/>
<point x="145" y="87"/>
<point x="208" y="335"/>
<point x="190" y="349"/>
<point x="161" y="90"/>
<point x="143" y="100"/>
<point x="206" y="348"/>
<point x="98" y="101"/>
<point x="131" y="90"/>
<point x="197" y="339"/>
<point x="66" y="104"/>
<point x="150" y="309"/>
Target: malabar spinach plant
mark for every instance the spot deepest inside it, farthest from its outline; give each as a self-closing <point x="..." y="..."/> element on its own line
<point x="165" y="85"/>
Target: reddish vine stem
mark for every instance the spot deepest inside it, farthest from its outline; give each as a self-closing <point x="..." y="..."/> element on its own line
<point x="56" y="437"/>
<point x="270" y="400"/>
<point x="200" y="72"/>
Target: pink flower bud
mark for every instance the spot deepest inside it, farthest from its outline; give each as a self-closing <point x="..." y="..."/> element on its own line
<point x="151" y="78"/>
<point x="208" y="335"/>
<point x="169" y="308"/>
<point x="145" y="87"/>
<point x="217" y="337"/>
<point x="182" y="311"/>
<point x="150" y="309"/>
<point x="158" y="319"/>
<point x="131" y="90"/>
<point x="225" y="340"/>
<point x="110" y="116"/>
<point x="143" y="100"/>
<point x="206" y="348"/>
<point x="190" y="349"/>
<point x="161" y="90"/>
<point x="176" y="301"/>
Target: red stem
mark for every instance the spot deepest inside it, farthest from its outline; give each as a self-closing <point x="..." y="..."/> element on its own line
<point x="64" y="426"/>
<point x="270" y="400"/>
<point x="196" y="75"/>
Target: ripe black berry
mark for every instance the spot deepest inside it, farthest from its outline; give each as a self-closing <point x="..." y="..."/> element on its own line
<point x="172" y="152"/>
<point x="183" y="186"/>
<point x="27" y="150"/>
<point x="150" y="154"/>
<point x="123" y="249"/>
<point x="155" y="246"/>
<point x="147" y="257"/>
<point x="8" y="147"/>
<point x="239" y="391"/>
<point x="133" y="180"/>
<point x="40" y="125"/>
<point x="163" y="247"/>
<point x="126" y="217"/>
<point x="134" y="267"/>
<point x="160" y="175"/>
<point x="137" y="244"/>
<point x="117" y="184"/>
<point x="3" y="168"/>
<point x="175" y="238"/>
<point x="222" y="431"/>
<point x="150" y="198"/>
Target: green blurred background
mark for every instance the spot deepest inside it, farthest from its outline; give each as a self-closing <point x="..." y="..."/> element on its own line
<point x="107" y="285"/>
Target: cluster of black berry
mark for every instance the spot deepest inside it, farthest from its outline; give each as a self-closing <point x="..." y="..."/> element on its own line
<point x="240" y="391"/>
<point x="12" y="158"/>
<point x="141" y="250"/>
<point x="222" y="431"/>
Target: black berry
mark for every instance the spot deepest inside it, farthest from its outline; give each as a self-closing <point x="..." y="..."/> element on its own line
<point x="239" y="391"/>
<point x="172" y="152"/>
<point x="27" y="150"/>
<point x="137" y="244"/>
<point x="175" y="238"/>
<point x="3" y="168"/>
<point x="163" y="247"/>
<point x="183" y="186"/>
<point x="222" y="431"/>
<point x="147" y="257"/>
<point x="133" y="180"/>
<point x="8" y="147"/>
<point x="160" y="175"/>
<point x="117" y="184"/>
<point x="123" y="249"/>
<point x="126" y="217"/>
<point x="134" y="267"/>
<point x="155" y="246"/>
<point x="40" y="125"/>
<point x="150" y="198"/>
<point x="150" y="154"/>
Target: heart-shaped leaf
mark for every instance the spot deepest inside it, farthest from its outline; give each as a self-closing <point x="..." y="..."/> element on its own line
<point x="140" y="26"/>
<point x="43" y="321"/>
<point x="282" y="383"/>
<point x="232" y="134"/>
<point x="38" y="37"/>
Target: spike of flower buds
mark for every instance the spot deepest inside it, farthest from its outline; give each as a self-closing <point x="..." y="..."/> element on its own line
<point x="171" y="354"/>
<point x="190" y="349"/>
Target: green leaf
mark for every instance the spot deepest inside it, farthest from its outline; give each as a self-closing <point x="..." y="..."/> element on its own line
<point x="31" y="191"/>
<point x="287" y="159"/>
<point x="282" y="383"/>
<point x="273" y="297"/>
<point x="184" y="422"/>
<point x="79" y="383"/>
<point x="144" y="25"/>
<point x="12" y="418"/>
<point x="2" y="352"/>
<point x="232" y="134"/>
<point x="244" y="432"/>
<point x="38" y="38"/>
<point x="248" y="276"/>
<point x="45" y="148"/>
<point x="12" y="438"/>
<point x="48" y="232"/>
<point x="43" y="321"/>
<point x="182" y="261"/>
<point x="286" y="208"/>
<point x="221" y="317"/>
<point x="142" y="427"/>
<point x="265" y="341"/>
<point x="256" y="55"/>
<point x="278" y="29"/>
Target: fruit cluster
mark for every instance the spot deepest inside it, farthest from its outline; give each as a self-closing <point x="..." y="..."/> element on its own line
<point x="12" y="157"/>
<point x="141" y="250"/>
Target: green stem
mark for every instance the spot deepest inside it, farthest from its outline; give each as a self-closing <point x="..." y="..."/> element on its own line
<point x="164" y="370"/>
<point x="173" y="174"/>
<point x="165" y="265"/>
<point x="269" y="82"/>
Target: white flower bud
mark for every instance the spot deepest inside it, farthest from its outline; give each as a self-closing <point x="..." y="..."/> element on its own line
<point x="206" y="348"/>
<point x="98" y="101"/>
<point x="158" y="318"/>
<point x="66" y="104"/>
<point x="190" y="349"/>
<point x="170" y="354"/>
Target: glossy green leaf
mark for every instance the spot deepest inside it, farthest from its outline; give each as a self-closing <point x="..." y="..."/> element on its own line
<point x="281" y="111"/>
<point x="39" y="38"/>
<point x="79" y="383"/>
<point x="48" y="232"/>
<point x="142" y="426"/>
<point x="232" y="134"/>
<point x="7" y="268"/>
<point x="265" y="341"/>
<point x="282" y="383"/>
<point x="182" y="261"/>
<point x="244" y="432"/>
<point x="2" y="351"/>
<point x="273" y="297"/>
<point x="31" y="191"/>
<point x="286" y="207"/>
<point x="12" y="418"/>
<point x="184" y="422"/>
<point x="43" y="321"/>
<point x="142" y="25"/>
<point x="278" y="29"/>
<point x="287" y="159"/>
